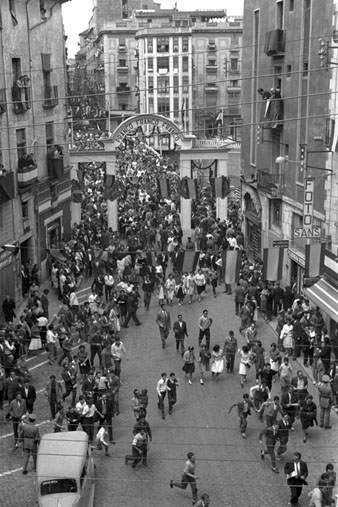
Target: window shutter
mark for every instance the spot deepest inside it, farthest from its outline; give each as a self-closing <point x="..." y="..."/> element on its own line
<point x="45" y="58"/>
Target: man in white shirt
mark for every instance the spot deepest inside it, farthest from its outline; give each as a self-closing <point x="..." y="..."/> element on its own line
<point x="51" y="338"/>
<point x="161" y="389"/>
<point x="117" y="350"/>
<point x="108" y="285"/>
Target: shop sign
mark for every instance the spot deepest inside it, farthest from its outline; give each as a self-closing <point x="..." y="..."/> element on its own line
<point x="303" y="232"/>
<point x="281" y="243"/>
<point x="330" y="265"/>
<point x="309" y="186"/>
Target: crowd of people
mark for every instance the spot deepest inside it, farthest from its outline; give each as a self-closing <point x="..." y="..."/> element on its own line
<point x="138" y="262"/>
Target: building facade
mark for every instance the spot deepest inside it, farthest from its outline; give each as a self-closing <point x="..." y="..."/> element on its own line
<point x="289" y="179"/>
<point x="34" y="177"/>
<point x="182" y="64"/>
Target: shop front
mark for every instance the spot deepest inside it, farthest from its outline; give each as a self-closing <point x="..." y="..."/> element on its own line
<point x="324" y="293"/>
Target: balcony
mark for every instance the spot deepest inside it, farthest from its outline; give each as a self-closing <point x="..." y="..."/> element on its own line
<point x="212" y="69"/>
<point x="122" y="48"/>
<point x="211" y="88"/>
<point x="27" y="174"/>
<point x="212" y="46"/>
<point x="275" y="42"/>
<point x="3" y="101"/>
<point x="123" y="89"/>
<point x="51" y="98"/>
<point x="272" y="184"/>
<point x="122" y="68"/>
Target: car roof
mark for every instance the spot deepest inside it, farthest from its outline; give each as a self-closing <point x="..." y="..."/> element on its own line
<point x="61" y="455"/>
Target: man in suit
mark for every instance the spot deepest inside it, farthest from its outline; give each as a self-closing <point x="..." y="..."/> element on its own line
<point x="28" y="393"/>
<point x="300" y="385"/>
<point x="180" y="331"/>
<point x="270" y="440"/>
<point x="105" y="406"/>
<point x="296" y="472"/>
<point x="70" y="383"/>
<point x="54" y="391"/>
<point x="163" y="321"/>
<point x="290" y="404"/>
<point x="17" y="408"/>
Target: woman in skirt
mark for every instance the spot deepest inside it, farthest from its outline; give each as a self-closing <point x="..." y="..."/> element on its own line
<point x="83" y="362"/>
<point x="217" y="362"/>
<point x="245" y="363"/>
<point x="189" y="363"/>
<point x="35" y="343"/>
<point x="179" y="293"/>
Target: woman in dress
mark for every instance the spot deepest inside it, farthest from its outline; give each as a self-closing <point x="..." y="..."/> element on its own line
<point x="286" y="337"/>
<point x="217" y="362"/>
<point x="200" y="282"/>
<point x="83" y="362"/>
<point x="114" y="319"/>
<point x="245" y="363"/>
<point x="35" y="343"/>
<point x="190" y="286"/>
<point x="179" y="293"/>
<point x="189" y="363"/>
<point x="170" y="286"/>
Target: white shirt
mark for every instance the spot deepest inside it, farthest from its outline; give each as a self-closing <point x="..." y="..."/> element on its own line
<point x="161" y="386"/>
<point x="109" y="280"/>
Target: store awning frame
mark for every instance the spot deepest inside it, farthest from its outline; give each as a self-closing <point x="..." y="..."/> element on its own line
<point x="324" y="295"/>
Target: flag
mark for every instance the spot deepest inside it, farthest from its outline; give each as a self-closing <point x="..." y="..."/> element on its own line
<point x="313" y="254"/>
<point x="151" y="259"/>
<point x="273" y="264"/>
<point x="231" y="265"/>
<point x="13" y="249"/>
<point x="111" y="188"/>
<point x="77" y="195"/>
<point x="188" y="188"/>
<point x="220" y="187"/>
<point x="164" y="187"/>
<point x="219" y="118"/>
<point x="186" y="261"/>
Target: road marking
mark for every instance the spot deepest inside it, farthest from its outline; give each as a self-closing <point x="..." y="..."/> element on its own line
<point x="11" y="434"/>
<point x="10" y="472"/>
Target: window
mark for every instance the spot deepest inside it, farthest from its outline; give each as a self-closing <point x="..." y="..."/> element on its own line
<point x="280" y="15"/>
<point x="175" y="44"/>
<point x="288" y="71"/>
<point x="185" y="64"/>
<point x="49" y="131"/>
<point x="16" y="69"/>
<point x="122" y="62"/>
<point x="275" y="212"/>
<point x="24" y="210"/>
<point x="175" y="63"/>
<point x="151" y="106"/>
<point x="234" y="40"/>
<point x="234" y="83"/>
<point x="151" y="84"/>
<point x="176" y="108"/>
<point x="150" y="46"/>
<point x="43" y="9"/>
<point x="185" y="84"/>
<point x="175" y="84"/>
<point x="291" y="5"/>
<point x="278" y="76"/>
<point x="305" y="69"/>
<point x="185" y="44"/>
<point x="163" y="64"/>
<point x="21" y="142"/>
<point x="163" y="85"/>
<point x="163" y="45"/>
<point x="122" y="44"/>
<point x="163" y="106"/>
<point x="150" y="64"/>
<point x="234" y="65"/>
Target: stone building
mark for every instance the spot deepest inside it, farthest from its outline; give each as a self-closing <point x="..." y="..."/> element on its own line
<point x="35" y="174"/>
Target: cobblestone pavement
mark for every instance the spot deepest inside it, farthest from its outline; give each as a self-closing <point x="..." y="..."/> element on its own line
<point x="229" y="468"/>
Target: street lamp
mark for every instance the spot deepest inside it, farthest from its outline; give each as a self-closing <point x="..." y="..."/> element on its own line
<point x="283" y="159"/>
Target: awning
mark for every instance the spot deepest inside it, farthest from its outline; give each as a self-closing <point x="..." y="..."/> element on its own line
<point x="57" y="255"/>
<point x="324" y="295"/>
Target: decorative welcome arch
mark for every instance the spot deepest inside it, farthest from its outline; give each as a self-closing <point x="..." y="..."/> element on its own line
<point x="156" y="125"/>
